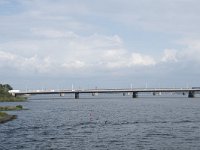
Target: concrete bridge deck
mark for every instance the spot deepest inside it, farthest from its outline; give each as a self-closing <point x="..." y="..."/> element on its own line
<point x="191" y="91"/>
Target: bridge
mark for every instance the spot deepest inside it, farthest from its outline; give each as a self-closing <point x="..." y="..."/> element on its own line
<point x="190" y="91"/>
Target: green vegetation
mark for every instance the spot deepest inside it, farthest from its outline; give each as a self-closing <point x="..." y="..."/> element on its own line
<point x="19" y="107"/>
<point x="5" y="96"/>
<point x="3" y="114"/>
<point x="4" y="117"/>
<point x="12" y="99"/>
<point x="8" y="108"/>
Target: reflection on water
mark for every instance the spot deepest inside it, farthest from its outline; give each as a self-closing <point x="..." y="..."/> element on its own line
<point x="104" y="123"/>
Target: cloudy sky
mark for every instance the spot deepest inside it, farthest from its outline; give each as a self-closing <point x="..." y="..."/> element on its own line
<point x="99" y="43"/>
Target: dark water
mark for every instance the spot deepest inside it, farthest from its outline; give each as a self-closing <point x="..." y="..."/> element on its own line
<point x="101" y="123"/>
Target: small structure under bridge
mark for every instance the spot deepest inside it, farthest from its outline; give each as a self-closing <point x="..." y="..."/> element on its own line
<point x="134" y="92"/>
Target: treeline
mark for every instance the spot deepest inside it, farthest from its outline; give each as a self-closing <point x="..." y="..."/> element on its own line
<point x="4" y="88"/>
<point x="5" y="96"/>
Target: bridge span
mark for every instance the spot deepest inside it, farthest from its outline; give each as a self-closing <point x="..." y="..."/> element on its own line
<point x="190" y="91"/>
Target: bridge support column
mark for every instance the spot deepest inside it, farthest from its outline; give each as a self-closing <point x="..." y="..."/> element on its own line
<point x="135" y="95"/>
<point x="191" y="94"/>
<point x="13" y="94"/>
<point x="124" y="94"/>
<point x="76" y="95"/>
<point x="62" y="94"/>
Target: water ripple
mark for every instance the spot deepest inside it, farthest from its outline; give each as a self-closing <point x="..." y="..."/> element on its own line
<point x="104" y="124"/>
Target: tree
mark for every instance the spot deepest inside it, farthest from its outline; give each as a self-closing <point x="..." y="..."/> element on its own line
<point x="4" y="88"/>
<point x="7" y="87"/>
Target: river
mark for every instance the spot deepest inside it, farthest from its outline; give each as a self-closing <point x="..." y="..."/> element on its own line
<point x="103" y="122"/>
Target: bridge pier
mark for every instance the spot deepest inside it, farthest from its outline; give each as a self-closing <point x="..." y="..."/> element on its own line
<point x="76" y="95"/>
<point x="124" y="94"/>
<point x="13" y="94"/>
<point x="95" y="94"/>
<point x="191" y="94"/>
<point x="135" y="95"/>
<point x="62" y="94"/>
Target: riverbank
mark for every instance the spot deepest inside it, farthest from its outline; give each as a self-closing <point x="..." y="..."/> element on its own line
<point x="4" y="117"/>
<point x="5" y="96"/>
<point x="12" y="99"/>
<point x="9" y="108"/>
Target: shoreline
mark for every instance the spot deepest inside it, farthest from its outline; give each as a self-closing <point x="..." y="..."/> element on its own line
<point x="7" y="118"/>
<point x="4" y="117"/>
<point x="13" y="99"/>
<point x="11" y="108"/>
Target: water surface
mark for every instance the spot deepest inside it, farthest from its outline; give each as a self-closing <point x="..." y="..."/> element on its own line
<point x="104" y="122"/>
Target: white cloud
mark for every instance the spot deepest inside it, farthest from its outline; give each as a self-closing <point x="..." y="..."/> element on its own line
<point x="170" y="55"/>
<point x="190" y="51"/>
<point x="142" y="60"/>
<point x="123" y="59"/>
<point x="65" y="37"/>
<point x="171" y="16"/>
<point x="69" y="50"/>
<point x="24" y="48"/>
<point x="73" y="65"/>
<point x="55" y="7"/>
<point x="24" y="64"/>
<point x="187" y="55"/>
<point x="165" y="16"/>
<point x="4" y="56"/>
<point x="48" y="33"/>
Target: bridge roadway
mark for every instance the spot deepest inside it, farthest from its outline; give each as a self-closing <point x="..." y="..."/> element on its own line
<point x="191" y="91"/>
